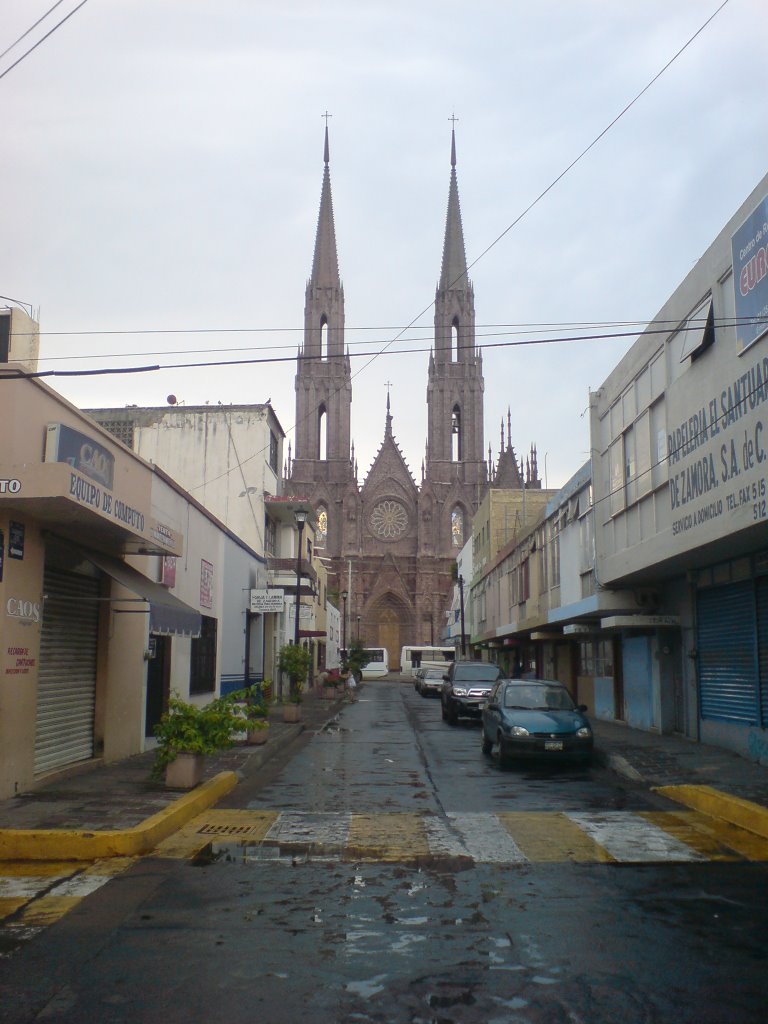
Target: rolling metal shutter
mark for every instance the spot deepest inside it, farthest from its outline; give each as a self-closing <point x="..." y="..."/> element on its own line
<point x="727" y="646"/>
<point x="762" y="634"/>
<point x="66" y="689"/>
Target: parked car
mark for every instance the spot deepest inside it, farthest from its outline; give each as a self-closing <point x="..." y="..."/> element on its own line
<point x="466" y="686"/>
<point x="526" y="718"/>
<point x="429" y="681"/>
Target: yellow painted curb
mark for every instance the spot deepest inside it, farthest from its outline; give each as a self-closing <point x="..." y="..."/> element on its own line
<point x="72" y="844"/>
<point x="733" y="809"/>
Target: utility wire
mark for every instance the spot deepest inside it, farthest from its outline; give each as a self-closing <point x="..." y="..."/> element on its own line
<point x="265" y="360"/>
<point x="43" y="38"/>
<point x="689" y="324"/>
<point x="31" y="28"/>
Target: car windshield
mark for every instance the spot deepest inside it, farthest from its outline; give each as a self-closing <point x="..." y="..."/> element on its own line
<point x="550" y="698"/>
<point x="487" y="673"/>
<point x="433" y="673"/>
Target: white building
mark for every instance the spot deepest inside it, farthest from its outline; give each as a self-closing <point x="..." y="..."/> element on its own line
<point x="680" y="459"/>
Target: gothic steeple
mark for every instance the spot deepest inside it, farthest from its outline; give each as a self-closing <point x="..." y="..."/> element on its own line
<point x="323" y="378"/>
<point x="325" y="265"/>
<point x="455" y="389"/>
<point x="453" y="273"/>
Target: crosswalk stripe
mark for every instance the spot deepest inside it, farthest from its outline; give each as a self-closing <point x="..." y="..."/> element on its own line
<point x="387" y="837"/>
<point x="549" y="837"/>
<point x="630" y="839"/>
<point x="485" y="838"/>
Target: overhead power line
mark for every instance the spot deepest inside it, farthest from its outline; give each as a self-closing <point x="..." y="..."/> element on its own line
<point x="263" y="360"/>
<point x="42" y="39"/>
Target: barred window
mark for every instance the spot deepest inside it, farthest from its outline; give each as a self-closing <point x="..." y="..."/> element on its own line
<point x="202" y="665"/>
<point x="273" y="450"/>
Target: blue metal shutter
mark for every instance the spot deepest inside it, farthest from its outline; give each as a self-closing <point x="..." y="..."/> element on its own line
<point x="762" y="636"/>
<point x="727" y="646"/>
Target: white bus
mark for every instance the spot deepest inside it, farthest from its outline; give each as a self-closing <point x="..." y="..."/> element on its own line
<point x="412" y="658"/>
<point x="377" y="664"/>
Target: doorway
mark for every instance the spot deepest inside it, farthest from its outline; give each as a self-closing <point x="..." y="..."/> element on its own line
<point x="158" y="681"/>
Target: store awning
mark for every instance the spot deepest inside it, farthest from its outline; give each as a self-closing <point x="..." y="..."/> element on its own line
<point x="312" y="633"/>
<point x="167" y="614"/>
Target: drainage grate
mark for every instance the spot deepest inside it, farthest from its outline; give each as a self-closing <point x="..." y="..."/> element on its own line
<point x="229" y="830"/>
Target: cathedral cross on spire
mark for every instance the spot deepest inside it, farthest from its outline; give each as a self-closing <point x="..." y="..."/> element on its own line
<point x="326" y="115"/>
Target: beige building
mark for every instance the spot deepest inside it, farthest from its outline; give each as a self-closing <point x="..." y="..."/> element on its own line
<point x="116" y="587"/>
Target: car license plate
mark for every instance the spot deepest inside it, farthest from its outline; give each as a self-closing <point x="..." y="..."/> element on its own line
<point x="553" y="744"/>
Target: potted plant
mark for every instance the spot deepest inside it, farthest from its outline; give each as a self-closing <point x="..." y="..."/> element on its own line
<point x="253" y="708"/>
<point x="295" y="662"/>
<point x="187" y="733"/>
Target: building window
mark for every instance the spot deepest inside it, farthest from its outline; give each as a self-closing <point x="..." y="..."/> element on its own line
<point x="202" y="664"/>
<point x="321" y="533"/>
<point x="457" y="527"/>
<point x="322" y="433"/>
<point x="270" y="536"/>
<point x="273" y="451"/>
<point x="525" y="580"/>
<point x="324" y="337"/>
<point x="457" y="446"/>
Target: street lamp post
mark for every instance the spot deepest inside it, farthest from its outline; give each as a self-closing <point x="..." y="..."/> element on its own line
<point x="300" y="515"/>
<point x="344" y="596"/>
<point x="358" y="628"/>
<point x="461" y="606"/>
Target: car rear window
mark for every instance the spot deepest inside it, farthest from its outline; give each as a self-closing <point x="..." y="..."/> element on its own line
<point x="488" y="673"/>
<point x="555" y="698"/>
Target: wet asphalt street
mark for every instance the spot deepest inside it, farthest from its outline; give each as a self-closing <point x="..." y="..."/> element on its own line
<point x="405" y="878"/>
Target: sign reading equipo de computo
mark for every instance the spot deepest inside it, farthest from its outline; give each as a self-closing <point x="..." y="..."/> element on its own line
<point x="750" y="276"/>
<point x="51" y="491"/>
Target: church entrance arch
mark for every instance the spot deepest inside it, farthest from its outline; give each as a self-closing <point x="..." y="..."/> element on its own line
<point x="390" y="619"/>
<point x="389" y="637"/>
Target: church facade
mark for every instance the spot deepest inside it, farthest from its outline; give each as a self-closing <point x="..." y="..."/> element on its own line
<point x="391" y="543"/>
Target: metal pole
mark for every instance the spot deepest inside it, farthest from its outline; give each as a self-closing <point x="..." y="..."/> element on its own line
<point x="298" y="583"/>
<point x="461" y="605"/>
<point x="344" y="622"/>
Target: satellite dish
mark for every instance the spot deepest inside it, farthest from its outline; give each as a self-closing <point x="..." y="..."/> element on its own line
<point x="171" y="400"/>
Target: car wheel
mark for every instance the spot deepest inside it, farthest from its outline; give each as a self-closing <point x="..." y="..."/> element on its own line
<point x="485" y="744"/>
<point x="443" y="712"/>
<point x="504" y="757"/>
<point x="452" y="715"/>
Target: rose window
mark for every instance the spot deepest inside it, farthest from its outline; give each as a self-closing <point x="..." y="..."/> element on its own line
<point x="389" y="520"/>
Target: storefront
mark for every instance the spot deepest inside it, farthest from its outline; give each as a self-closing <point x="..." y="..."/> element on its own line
<point x="83" y="525"/>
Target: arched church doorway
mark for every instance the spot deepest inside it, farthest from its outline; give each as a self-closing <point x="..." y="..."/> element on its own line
<point x="389" y="637"/>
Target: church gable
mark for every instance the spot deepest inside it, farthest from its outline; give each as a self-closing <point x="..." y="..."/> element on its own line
<point x="389" y="468"/>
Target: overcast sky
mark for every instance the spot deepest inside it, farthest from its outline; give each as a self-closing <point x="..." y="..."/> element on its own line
<point x="162" y="164"/>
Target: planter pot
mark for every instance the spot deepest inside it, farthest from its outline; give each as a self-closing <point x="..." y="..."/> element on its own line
<point x="258" y="737"/>
<point x="185" y="771"/>
<point x="291" y="712"/>
<point x="329" y="693"/>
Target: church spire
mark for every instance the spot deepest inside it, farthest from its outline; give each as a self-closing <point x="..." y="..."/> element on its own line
<point x="453" y="273"/>
<point x="325" y="265"/>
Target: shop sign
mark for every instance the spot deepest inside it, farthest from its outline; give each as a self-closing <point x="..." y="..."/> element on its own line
<point x="18" y="661"/>
<point x="86" y="493"/>
<point x="2" y="554"/>
<point x="18" y="608"/>
<point x="265" y="601"/>
<point x="16" y="540"/>
<point x="83" y="453"/>
<point x="169" y="571"/>
<point x="718" y="457"/>
<point x="10" y="485"/>
<point x="749" y="248"/>
<point x="206" y="584"/>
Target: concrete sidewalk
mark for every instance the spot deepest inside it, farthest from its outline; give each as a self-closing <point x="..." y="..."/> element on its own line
<point x="117" y="809"/>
